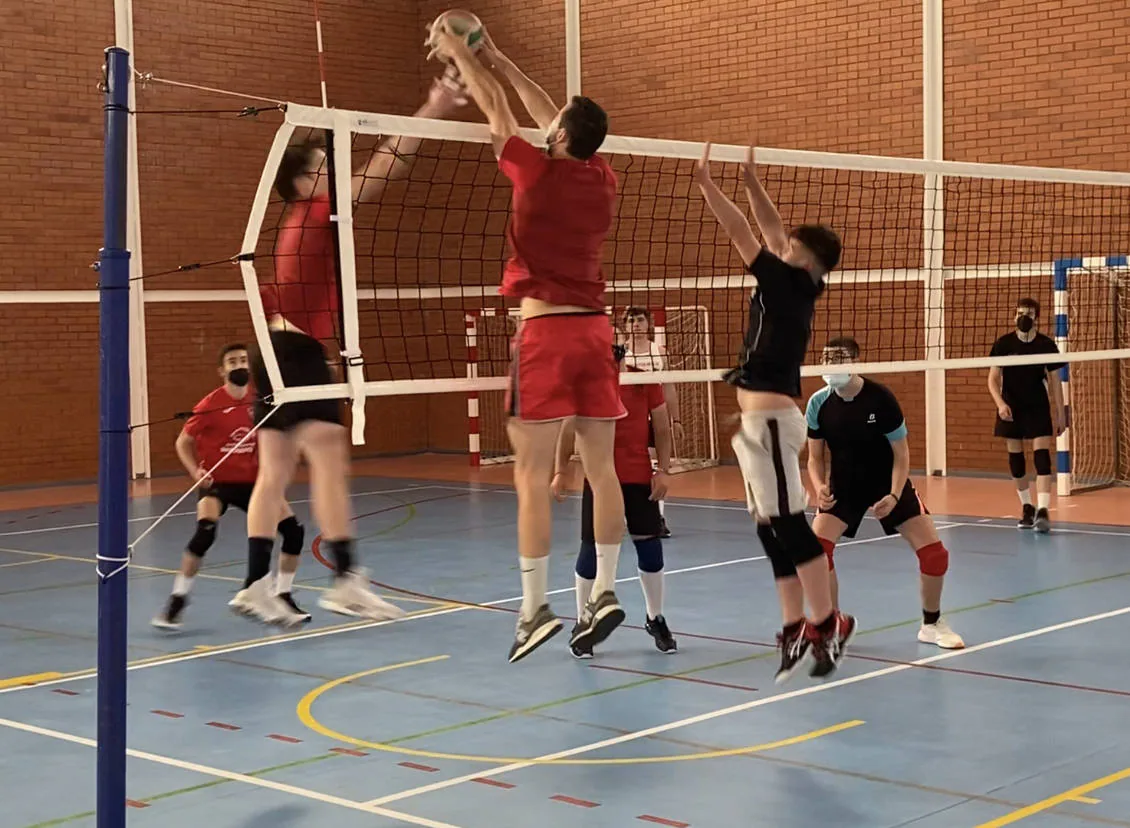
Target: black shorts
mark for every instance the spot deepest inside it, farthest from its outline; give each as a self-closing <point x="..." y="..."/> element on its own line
<point x="640" y="512"/>
<point x="1028" y="422"/>
<point x="852" y="512"/>
<point x="302" y="361"/>
<point x="229" y="494"/>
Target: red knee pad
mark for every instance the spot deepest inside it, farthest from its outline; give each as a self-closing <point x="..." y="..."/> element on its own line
<point x="933" y="559"/>
<point x="828" y="546"/>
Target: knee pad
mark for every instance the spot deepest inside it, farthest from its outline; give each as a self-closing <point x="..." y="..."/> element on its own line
<point x="649" y="554"/>
<point x="933" y="559"/>
<point x="586" y="561"/>
<point x="797" y="538"/>
<point x="1042" y="460"/>
<point x="828" y="547"/>
<point x="203" y="538"/>
<point x="1016" y="464"/>
<point x="778" y="558"/>
<point x="293" y="535"/>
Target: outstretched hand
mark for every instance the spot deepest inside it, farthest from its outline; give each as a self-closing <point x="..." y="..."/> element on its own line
<point x="447" y="94"/>
<point x="748" y="168"/>
<point x="702" y="167"/>
<point x="444" y="43"/>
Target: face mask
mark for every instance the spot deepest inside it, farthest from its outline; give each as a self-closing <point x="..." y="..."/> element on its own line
<point x="837" y="380"/>
<point x="1025" y="323"/>
<point x="239" y="377"/>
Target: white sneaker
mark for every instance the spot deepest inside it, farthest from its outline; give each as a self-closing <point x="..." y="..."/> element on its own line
<point x="941" y="635"/>
<point x="262" y="603"/>
<point x="351" y="596"/>
<point x="241" y="603"/>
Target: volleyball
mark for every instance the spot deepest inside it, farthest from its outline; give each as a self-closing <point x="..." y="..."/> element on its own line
<point x="461" y="23"/>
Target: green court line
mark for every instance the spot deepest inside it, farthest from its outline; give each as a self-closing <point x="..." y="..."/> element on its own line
<point x="410" y="515"/>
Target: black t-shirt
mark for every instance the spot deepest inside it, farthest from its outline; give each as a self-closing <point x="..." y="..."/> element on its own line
<point x="858" y="433"/>
<point x="1025" y="386"/>
<point x="780" y="324"/>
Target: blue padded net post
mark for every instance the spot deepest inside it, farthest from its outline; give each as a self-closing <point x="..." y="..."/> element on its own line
<point x="113" y="451"/>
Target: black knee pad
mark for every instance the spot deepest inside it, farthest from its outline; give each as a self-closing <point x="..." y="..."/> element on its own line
<point x="649" y="554"/>
<point x="779" y="559"/>
<point x="1016" y="464"/>
<point x="797" y="537"/>
<point x="1042" y="460"/>
<point x="203" y="538"/>
<point x="293" y="536"/>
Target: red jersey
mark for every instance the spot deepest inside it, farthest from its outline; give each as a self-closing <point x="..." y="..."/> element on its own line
<point x="218" y="422"/>
<point x="305" y="288"/>
<point x="633" y="461"/>
<point x="562" y="212"/>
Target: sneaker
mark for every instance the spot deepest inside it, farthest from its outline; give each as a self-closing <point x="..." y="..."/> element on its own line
<point x="599" y="619"/>
<point x="828" y="650"/>
<point x="531" y="634"/>
<point x="579" y="653"/>
<point x="664" y="532"/>
<point x="1043" y="522"/>
<point x="1027" y="517"/>
<point x="794" y="650"/>
<point x="169" y="619"/>
<point x="259" y="601"/>
<point x="941" y="635"/>
<point x="658" y="629"/>
<point x="241" y="603"/>
<point x="297" y="615"/>
<point x="351" y="596"/>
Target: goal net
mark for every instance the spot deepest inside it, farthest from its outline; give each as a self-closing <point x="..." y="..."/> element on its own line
<point x="936" y="255"/>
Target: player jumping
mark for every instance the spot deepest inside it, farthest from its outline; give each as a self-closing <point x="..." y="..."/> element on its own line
<point x="856" y="426"/>
<point x="643" y="492"/>
<point x="563" y="205"/>
<point x="790" y="269"/>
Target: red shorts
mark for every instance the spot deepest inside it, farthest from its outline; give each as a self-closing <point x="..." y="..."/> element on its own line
<point x="561" y="365"/>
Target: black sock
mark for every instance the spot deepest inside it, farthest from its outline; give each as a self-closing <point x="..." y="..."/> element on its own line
<point x="828" y="625"/>
<point x="258" y="559"/>
<point x="931" y="617"/>
<point x="342" y="553"/>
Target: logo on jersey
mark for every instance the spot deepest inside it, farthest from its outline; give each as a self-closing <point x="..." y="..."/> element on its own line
<point x="871" y="418"/>
<point x="238" y="434"/>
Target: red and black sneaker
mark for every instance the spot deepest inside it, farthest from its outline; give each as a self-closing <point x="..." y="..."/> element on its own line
<point x="794" y="643"/>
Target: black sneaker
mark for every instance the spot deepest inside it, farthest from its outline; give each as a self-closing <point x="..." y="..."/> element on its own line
<point x="794" y="649"/>
<point x="658" y="629"/>
<point x="1027" y="517"/>
<point x="301" y="616"/>
<point x="828" y="650"/>
<point x="531" y="634"/>
<point x="1043" y="521"/>
<point x="169" y="619"/>
<point x="664" y="532"/>
<point x="597" y="622"/>
<point x="579" y="653"/>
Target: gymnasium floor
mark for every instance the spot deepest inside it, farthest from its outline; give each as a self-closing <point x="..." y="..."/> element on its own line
<point x="422" y="722"/>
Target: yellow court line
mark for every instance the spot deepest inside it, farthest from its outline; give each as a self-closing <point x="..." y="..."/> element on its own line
<point x="34" y="678"/>
<point x="307" y="718"/>
<point x="1046" y="804"/>
<point x="1086" y="800"/>
<point x="46" y="557"/>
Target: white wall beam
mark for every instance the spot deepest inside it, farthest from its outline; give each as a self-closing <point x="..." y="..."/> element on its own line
<point x="933" y="233"/>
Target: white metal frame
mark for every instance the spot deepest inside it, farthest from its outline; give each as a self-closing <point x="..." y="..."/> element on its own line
<point x="933" y="233"/>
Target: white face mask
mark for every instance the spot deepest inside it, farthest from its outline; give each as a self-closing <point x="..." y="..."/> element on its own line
<point x="837" y="381"/>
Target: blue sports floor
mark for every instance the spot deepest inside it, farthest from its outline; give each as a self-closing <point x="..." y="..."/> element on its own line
<point x="422" y="722"/>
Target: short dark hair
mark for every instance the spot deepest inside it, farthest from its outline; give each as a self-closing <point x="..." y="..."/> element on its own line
<point x="822" y="241"/>
<point x="844" y="343"/>
<point x="636" y="310"/>
<point x="227" y="349"/>
<point x="295" y="161"/>
<point x="585" y="125"/>
<point x="1029" y="302"/>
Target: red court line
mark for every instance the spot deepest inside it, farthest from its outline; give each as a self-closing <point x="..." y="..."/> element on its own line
<point x="676" y="678"/>
<point x="348" y="752"/>
<point x="414" y="766"/>
<point x="223" y="726"/>
<point x="661" y="821"/>
<point x="167" y="714"/>
<point x="133" y="803"/>
<point x="580" y="803"/>
<point x="290" y="740"/>
<point x="494" y="783"/>
<point x="62" y="692"/>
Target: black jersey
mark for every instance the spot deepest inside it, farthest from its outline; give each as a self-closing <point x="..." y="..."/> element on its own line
<point x="858" y="433"/>
<point x="1025" y="387"/>
<point x="779" y="327"/>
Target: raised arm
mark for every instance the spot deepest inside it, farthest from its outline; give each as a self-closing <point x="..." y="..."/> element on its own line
<point x="764" y="210"/>
<point x="732" y="219"/>
<point x="536" y="100"/>
<point x="483" y="87"/>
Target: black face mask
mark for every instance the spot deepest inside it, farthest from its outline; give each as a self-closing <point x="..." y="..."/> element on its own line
<point x="239" y="376"/>
<point x="1025" y="323"/>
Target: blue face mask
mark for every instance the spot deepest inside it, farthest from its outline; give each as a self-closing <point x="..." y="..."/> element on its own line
<point x="837" y="381"/>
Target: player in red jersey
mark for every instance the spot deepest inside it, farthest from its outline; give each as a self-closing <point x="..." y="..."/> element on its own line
<point x="301" y="307"/>
<point x="643" y="491"/>
<point x="217" y="425"/>
<point x="562" y="367"/>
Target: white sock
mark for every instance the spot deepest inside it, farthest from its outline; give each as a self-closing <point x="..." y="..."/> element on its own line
<point x="662" y="508"/>
<point x="1025" y="496"/>
<point x="1043" y="500"/>
<point x="652" y="585"/>
<point x="607" y="557"/>
<point x="584" y="590"/>
<point x="535" y="577"/>
<point x="182" y="584"/>
<point x="284" y="581"/>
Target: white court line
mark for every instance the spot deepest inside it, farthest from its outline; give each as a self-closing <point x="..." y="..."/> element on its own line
<point x="750" y="705"/>
<point x="232" y="776"/>
<point x="1055" y="531"/>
